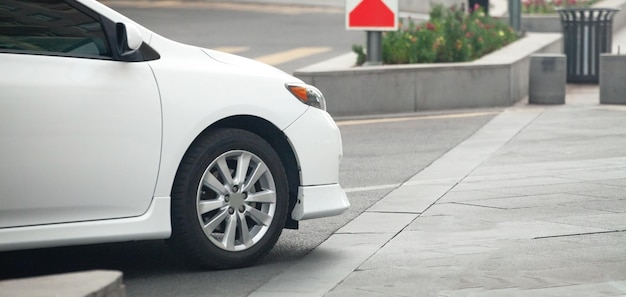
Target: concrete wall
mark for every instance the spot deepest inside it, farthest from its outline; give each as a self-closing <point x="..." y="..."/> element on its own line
<point x="498" y="79"/>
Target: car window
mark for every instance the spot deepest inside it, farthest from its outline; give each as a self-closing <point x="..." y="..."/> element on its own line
<point x="50" y="27"/>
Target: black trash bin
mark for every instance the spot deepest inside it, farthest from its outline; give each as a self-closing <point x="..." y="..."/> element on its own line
<point x="587" y="32"/>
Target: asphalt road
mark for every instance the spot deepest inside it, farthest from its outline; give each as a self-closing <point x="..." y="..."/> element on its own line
<point x="378" y="155"/>
<point x="287" y="37"/>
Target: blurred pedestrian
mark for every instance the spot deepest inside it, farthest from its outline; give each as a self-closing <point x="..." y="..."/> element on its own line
<point x="484" y="4"/>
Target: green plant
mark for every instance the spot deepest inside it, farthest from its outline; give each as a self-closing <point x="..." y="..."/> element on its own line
<point x="360" y="54"/>
<point x="450" y="35"/>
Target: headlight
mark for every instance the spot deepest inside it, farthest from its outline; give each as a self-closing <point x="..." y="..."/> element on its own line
<point x="309" y="95"/>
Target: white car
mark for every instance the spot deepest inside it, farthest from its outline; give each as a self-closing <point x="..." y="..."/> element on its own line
<point x="110" y="132"/>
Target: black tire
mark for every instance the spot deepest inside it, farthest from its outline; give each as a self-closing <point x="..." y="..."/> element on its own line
<point x="210" y="222"/>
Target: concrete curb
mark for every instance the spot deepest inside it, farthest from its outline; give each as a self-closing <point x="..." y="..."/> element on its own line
<point x="498" y="79"/>
<point x="100" y="283"/>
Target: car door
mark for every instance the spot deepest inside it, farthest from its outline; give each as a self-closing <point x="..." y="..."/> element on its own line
<point x="80" y="133"/>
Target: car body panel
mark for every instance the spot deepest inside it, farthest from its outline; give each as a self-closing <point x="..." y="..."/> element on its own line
<point x="319" y="202"/>
<point x="191" y="81"/>
<point x="317" y="141"/>
<point x="153" y="224"/>
<point x="81" y="139"/>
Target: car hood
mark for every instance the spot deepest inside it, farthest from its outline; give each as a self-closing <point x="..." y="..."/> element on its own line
<point x="249" y="64"/>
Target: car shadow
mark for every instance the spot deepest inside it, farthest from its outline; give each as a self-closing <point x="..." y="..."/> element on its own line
<point x="135" y="258"/>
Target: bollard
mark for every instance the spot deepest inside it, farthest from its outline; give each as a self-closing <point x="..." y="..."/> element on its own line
<point x="612" y="78"/>
<point x="548" y="75"/>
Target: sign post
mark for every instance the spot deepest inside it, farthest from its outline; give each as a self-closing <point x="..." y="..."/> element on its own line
<point x="515" y="15"/>
<point x="373" y="16"/>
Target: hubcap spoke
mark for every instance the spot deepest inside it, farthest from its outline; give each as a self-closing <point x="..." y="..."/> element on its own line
<point x="215" y="185"/>
<point x="259" y="217"/>
<point x="207" y="206"/>
<point x="245" y="232"/>
<point x="229" y="234"/>
<point x="218" y="219"/>
<point x="259" y="171"/>
<point x="242" y="167"/>
<point x="225" y="171"/>
<point x="266" y="196"/>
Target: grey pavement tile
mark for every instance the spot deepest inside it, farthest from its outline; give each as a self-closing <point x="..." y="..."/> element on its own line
<point x="515" y="268"/>
<point x="544" y="168"/>
<point x="585" y="273"/>
<point x="607" y="191"/>
<point x="451" y="217"/>
<point x="603" y="174"/>
<point x="412" y="198"/>
<point x="388" y="282"/>
<point x="460" y="210"/>
<point x="376" y="222"/>
<point x="555" y="137"/>
<point x="607" y="289"/>
<point x="473" y="195"/>
<point x="569" y="251"/>
<point x="613" y="182"/>
<point x="325" y="266"/>
<point x="574" y="188"/>
<point x="534" y="229"/>
<point x="498" y="183"/>
<point x="607" y="221"/>
<point x="415" y="248"/>
<point x="531" y="201"/>
<point x="598" y="239"/>
<point x="592" y="255"/>
<point x="467" y="214"/>
<point x="604" y="204"/>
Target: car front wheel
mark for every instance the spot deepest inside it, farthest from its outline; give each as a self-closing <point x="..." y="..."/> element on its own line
<point x="229" y="200"/>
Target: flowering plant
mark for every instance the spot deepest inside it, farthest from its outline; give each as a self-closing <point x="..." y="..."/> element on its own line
<point x="549" y="6"/>
<point x="450" y="35"/>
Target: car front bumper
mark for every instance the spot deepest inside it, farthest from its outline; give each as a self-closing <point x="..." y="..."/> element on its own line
<point x="320" y="201"/>
<point x="316" y="140"/>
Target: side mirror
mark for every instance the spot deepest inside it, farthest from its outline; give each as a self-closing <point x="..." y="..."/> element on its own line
<point x="128" y="40"/>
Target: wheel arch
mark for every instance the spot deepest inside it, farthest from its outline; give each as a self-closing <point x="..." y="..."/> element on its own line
<point x="277" y="139"/>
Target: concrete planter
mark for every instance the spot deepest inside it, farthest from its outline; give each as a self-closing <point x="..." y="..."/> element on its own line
<point x="552" y="22"/>
<point x="498" y="79"/>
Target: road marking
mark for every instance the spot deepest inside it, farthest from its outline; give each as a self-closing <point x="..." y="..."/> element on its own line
<point x="415" y="118"/>
<point x="290" y="55"/>
<point x="232" y="49"/>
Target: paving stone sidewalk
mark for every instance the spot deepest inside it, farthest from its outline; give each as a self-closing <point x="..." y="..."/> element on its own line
<point x="544" y="215"/>
<point x="533" y="204"/>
